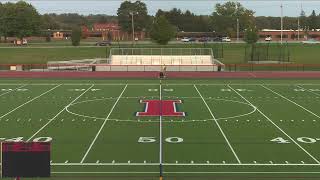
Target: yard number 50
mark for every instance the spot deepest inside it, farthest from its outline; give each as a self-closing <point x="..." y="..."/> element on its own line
<point x="153" y="139"/>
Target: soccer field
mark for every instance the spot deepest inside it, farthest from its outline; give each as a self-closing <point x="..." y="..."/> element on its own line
<point x="230" y="129"/>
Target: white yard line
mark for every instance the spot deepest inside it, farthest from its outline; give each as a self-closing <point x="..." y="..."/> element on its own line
<point x="291" y="101"/>
<point x="316" y="160"/>
<point x="160" y="128"/>
<point x="102" y="126"/>
<point x="30" y="101"/>
<point x="12" y="90"/>
<point x="53" y="118"/>
<point x="216" y="121"/>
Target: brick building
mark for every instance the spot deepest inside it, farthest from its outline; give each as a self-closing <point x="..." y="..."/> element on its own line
<point x="289" y="35"/>
<point x="102" y="30"/>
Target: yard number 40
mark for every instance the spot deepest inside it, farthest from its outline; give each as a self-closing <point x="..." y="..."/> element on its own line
<point x="307" y="140"/>
<point x="153" y="139"/>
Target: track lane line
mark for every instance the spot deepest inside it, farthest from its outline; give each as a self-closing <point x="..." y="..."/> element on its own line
<point x="216" y="121"/>
<point x="315" y="159"/>
<point x="102" y="126"/>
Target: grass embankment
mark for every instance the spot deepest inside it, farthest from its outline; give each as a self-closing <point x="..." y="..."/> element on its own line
<point x="233" y="53"/>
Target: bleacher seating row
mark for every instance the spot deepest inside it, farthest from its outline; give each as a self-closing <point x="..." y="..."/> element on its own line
<point x="161" y="59"/>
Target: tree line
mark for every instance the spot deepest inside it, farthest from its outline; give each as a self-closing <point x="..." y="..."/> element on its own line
<point x="21" y="19"/>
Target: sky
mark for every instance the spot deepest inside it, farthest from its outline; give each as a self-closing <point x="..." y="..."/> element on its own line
<point x="199" y="7"/>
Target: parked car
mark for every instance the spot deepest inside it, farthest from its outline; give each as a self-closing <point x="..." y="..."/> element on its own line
<point x="185" y="39"/>
<point x="19" y="42"/>
<point x="204" y="39"/>
<point x="268" y="38"/>
<point x="103" y="43"/>
<point x="192" y="39"/>
<point x="217" y="39"/>
<point x="311" y="41"/>
<point x="226" y="39"/>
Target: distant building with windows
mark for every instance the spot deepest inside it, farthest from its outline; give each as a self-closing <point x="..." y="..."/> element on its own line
<point x="289" y="35"/>
<point x="112" y="28"/>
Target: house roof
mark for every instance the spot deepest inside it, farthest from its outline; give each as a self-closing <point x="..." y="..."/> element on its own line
<point x="113" y="26"/>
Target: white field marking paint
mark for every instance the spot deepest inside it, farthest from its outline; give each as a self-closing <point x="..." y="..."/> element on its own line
<point x="316" y="160"/>
<point x="12" y="90"/>
<point x="53" y="118"/>
<point x="225" y="137"/>
<point x="30" y="101"/>
<point x="179" y="164"/>
<point x="308" y="90"/>
<point x="148" y="84"/>
<point x="188" y="172"/>
<point x="177" y="121"/>
<point x="291" y="101"/>
<point x="160" y="126"/>
<point x="102" y="126"/>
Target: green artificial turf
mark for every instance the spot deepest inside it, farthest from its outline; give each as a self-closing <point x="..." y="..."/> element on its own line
<point x="226" y="133"/>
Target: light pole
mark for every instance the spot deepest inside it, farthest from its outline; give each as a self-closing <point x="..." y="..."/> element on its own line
<point x="281" y="23"/>
<point x="237" y="22"/>
<point x="132" y="25"/>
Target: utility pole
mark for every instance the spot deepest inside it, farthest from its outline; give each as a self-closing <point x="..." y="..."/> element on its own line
<point x="132" y="23"/>
<point x="299" y="22"/>
<point x="281" y="23"/>
<point x="237" y="22"/>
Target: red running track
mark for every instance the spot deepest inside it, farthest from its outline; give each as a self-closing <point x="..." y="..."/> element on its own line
<point x="250" y="75"/>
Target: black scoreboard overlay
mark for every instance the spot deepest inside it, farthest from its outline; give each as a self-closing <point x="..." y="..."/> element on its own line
<point x="25" y="159"/>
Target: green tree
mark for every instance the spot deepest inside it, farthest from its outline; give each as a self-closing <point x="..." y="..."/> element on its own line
<point x="313" y="20"/>
<point x="1" y="21"/>
<point x="26" y="20"/>
<point x="225" y="17"/>
<point x="186" y="21"/>
<point x="48" y="22"/>
<point x="251" y="35"/>
<point x="76" y="36"/>
<point x="8" y="14"/>
<point x="162" y="31"/>
<point x="139" y="11"/>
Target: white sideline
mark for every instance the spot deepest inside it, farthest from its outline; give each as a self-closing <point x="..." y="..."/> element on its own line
<point x="147" y="84"/>
<point x="276" y="126"/>
<point x="59" y="113"/>
<point x="102" y="126"/>
<point x="179" y="164"/>
<point x="189" y="172"/>
<point x="12" y="90"/>
<point x="215" y="120"/>
<point x="291" y="101"/>
<point x="30" y="101"/>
